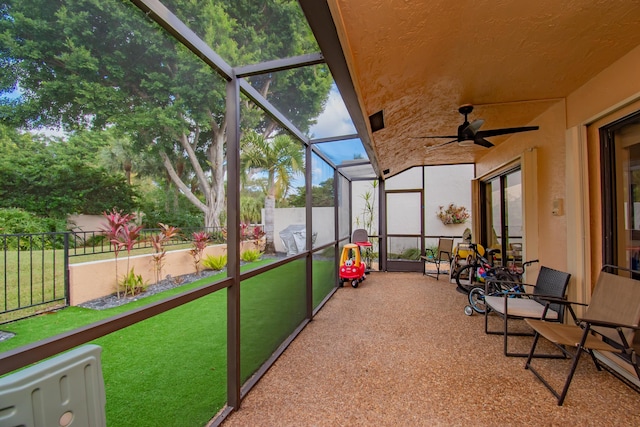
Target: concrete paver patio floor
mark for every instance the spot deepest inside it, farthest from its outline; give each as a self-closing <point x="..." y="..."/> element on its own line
<point x="399" y="351"/>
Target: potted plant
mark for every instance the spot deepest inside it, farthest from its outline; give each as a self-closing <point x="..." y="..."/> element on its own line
<point x="453" y="214"/>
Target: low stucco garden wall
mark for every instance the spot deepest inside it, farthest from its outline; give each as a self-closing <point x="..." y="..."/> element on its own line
<point x="96" y="279"/>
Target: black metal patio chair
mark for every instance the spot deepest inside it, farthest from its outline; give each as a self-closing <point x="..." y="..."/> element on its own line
<point x="514" y="305"/>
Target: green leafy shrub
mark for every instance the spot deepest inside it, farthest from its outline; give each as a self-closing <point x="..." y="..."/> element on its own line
<point x="132" y="283"/>
<point x="19" y="221"/>
<point x="96" y="240"/>
<point x="412" y="254"/>
<point x="250" y="255"/>
<point x="213" y="262"/>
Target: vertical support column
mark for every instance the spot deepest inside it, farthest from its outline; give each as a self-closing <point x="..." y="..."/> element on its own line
<point x="336" y="216"/>
<point x="382" y="226"/>
<point x="577" y="208"/>
<point x="233" y="243"/>
<point x="309" y="220"/>
<point x="350" y="208"/>
<point x="530" y="208"/>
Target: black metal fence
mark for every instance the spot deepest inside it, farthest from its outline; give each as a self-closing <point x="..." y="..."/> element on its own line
<point x="96" y="242"/>
<point x="36" y="266"/>
<point x="36" y="274"/>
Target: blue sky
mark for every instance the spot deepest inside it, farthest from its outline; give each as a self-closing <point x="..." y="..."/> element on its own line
<point x="334" y="121"/>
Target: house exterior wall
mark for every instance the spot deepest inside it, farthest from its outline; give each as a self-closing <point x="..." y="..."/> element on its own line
<point x="611" y="95"/>
<point x="548" y="181"/>
<point x="568" y="168"/>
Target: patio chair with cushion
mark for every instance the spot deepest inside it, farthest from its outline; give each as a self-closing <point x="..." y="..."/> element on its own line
<point x="437" y="257"/>
<point x="516" y="305"/>
<point x="609" y="326"/>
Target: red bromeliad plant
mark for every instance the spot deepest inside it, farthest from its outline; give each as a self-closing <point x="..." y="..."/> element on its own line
<point x="122" y="234"/>
<point x="167" y="232"/>
<point x="256" y="234"/>
<point x="200" y="240"/>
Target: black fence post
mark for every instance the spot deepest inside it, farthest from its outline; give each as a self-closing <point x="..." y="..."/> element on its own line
<point x="67" y="287"/>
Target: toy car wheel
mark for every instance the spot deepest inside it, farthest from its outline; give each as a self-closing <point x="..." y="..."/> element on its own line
<point x="354" y="283"/>
<point x="468" y="310"/>
<point x="341" y="284"/>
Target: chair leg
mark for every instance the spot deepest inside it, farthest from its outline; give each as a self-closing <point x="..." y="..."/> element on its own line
<point x="518" y="334"/>
<point x="486" y="319"/>
<point x="574" y="364"/>
<point x="528" y="366"/>
<point x="436" y="274"/>
<point x="505" y="339"/>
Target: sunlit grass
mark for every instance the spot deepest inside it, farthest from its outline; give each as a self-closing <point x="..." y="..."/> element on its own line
<point x="33" y="281"/>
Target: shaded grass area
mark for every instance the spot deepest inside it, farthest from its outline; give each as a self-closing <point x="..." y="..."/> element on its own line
<point x="170" y="370"/>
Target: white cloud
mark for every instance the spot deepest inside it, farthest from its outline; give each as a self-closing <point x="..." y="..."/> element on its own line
<point x="334" y="120"/>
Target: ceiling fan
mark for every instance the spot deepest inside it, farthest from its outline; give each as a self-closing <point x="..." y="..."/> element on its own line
<point x="469" y="133"/>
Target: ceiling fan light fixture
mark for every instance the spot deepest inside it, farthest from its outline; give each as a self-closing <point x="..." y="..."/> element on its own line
<point x="466" y="143"/>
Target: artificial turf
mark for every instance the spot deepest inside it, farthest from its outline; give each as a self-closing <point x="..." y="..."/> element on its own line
<point x="171" y="369"/>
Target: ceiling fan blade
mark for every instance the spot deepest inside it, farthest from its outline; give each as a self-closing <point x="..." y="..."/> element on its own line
<point x="445" y="136"/>
<point x="467" y="131"/>
<point x="433" y="147"/>
<point x="483" y="142"/>
<point x="505" y="131"/>
<point x="475" y="125"/>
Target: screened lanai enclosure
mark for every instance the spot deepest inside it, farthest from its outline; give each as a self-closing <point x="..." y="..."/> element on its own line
<point x="232" y="102"/>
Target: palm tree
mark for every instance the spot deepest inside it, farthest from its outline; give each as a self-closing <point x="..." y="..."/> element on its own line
<point x="280" y="158"/>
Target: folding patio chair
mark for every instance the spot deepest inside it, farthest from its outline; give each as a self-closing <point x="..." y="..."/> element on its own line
<point x="437" y="257"/>
<point x="513" y="305"/>
<point x="610" y="324"/>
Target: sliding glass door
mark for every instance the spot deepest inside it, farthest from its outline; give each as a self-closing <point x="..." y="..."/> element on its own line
<point x="502" y="216"/>
<point x="620" y="152"/>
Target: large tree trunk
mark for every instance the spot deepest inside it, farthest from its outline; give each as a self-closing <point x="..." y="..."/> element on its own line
<point x="213" y="190"/>
<point x="269" y="213"/>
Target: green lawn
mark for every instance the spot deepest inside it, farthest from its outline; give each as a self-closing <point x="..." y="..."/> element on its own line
<point x="38" y="276"/>
<point x="170" y="370"/>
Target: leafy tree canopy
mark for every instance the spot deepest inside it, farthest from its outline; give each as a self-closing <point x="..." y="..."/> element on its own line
<point x="54" y="178"/>
<point x="321" y="195"/>
<point x="95" y="64"/>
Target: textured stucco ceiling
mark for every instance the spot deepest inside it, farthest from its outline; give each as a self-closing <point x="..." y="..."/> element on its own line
<point x="419" y="60"/>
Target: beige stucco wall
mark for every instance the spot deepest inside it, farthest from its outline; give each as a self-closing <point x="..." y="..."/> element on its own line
<point x="548" y="182"/>
<point x="86" y="222"/>
<point x="611" y="95"/>
<point x="568" y="168"/>
<point x="91" y="280"/>
<point x="615" y="86"/>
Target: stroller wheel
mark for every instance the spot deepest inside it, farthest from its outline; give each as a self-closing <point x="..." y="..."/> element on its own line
<point x="468" y="310"/>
